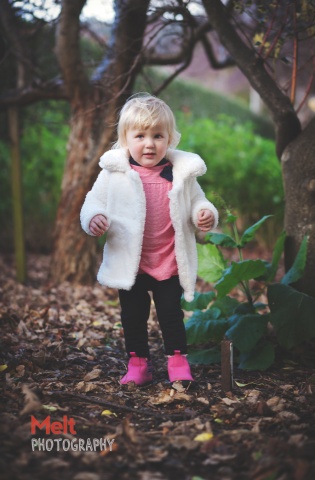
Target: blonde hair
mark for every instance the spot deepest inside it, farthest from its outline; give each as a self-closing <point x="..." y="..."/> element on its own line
<point x="142" y="111"/>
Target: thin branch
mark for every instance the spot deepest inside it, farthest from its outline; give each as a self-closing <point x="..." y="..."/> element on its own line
<point x="263" y="43"/>
<point x="150" y="57"/>
<point x="174" y="75"/>
<point x="295" y="59"/>
<point x="93" y="35"/>
<point x="214" y="62"/>
<point x="123" y="408"/>
<point x="278" y="35"/>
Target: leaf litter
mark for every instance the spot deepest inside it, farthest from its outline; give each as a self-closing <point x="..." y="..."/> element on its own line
<point x="62" y="354"/>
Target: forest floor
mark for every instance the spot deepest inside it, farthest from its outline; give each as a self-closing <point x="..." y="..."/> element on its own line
<point x="62" y="355"/>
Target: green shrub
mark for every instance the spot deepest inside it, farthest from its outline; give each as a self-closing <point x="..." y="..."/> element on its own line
<point x="43" y="152"/>
<point x="242" y="168"/>
<point x="217" y="315"/>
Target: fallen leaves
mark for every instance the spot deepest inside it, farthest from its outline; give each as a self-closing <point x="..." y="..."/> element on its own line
<point x="203" y="437"/>
<point x="62" y="351"/>
<point x="169" y="396"/>
<point x="85" y="387"/>
<point x="95" y="373"/>
<point x="108" y="413"/>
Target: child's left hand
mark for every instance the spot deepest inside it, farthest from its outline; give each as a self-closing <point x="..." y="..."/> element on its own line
<point x="205" y="220"/>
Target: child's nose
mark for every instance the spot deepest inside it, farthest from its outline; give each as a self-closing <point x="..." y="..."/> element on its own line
<point x="149" y="142"/>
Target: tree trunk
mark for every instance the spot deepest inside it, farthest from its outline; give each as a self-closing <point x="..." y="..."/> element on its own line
<point x="19" y="243"/>
<point x="74" y="252"/>
<point x="294" y="147"/>
<point x="298" y="168"/>
<point x="94" y="107"/>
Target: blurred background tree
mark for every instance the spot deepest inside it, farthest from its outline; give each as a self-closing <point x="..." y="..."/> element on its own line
<point x="270" y="42"/>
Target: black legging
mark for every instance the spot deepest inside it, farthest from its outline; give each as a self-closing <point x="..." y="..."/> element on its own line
<point x="135" y="311"/>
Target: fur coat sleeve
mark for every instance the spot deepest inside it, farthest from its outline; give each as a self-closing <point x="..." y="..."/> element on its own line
<point x="95" y="202"/>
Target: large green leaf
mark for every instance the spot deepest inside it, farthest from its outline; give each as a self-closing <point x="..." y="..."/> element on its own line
<point x="292" y="315"/>
<point x="297" y="269"/>
<point x="226" y="305"/>
<point x="200" y="302"/>
<point x="249" y="234"/>
<point x="259" y="358"/>
<point x="247" y="330"/>
<point x="245" y="308"/>
<point x="276" y="256"/>
<point x="205" y="326"/>
<point x="211" y="263"/>
<point x="271" y="268"/>
<point x="238" y="272"/>
<point x="221" y="239"/>
<point x="205" y="356"/>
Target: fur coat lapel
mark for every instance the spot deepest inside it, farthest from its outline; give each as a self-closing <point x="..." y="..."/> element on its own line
<point x="185" y="164"/>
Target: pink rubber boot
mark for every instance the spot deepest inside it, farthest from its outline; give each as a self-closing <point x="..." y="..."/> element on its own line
<point x="139" y="371"/>
<point x="178" y="368"/>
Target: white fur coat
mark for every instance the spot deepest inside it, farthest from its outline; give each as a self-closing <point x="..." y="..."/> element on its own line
<point x="118" y="195"/>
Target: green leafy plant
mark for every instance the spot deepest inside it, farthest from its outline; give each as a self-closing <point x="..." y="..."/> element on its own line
<point x="216" y="315"/>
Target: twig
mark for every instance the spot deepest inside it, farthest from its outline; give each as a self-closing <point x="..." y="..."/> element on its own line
<point x="124" y="408"/>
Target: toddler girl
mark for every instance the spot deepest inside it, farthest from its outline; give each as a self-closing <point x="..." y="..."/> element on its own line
<point x="148" y="201"/>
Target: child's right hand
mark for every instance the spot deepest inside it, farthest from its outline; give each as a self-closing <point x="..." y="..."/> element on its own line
<point x="98" y="225"/>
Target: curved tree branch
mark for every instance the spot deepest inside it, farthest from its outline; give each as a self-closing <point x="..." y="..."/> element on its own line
<point x="286" y="120"/>
<point x="51" y="90"/>
<point x="196" y="32"/>
<point x="214" y="62"/>
<point x="174" y="75"/>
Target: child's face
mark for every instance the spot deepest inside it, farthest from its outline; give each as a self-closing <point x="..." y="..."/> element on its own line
<point x="148" y="146"/>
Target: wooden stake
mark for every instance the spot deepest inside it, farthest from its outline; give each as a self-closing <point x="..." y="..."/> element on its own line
<point x="227" y="365"/>
<point x="19" y="246"/>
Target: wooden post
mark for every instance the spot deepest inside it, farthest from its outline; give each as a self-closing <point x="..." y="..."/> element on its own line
<point x="19" y="245"/>
<point x="227" y="365"/>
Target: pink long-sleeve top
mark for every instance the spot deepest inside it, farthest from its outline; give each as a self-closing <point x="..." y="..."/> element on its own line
<point x="158" y="247"/>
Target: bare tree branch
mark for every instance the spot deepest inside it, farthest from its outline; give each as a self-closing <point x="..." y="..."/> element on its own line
<point x="93" y="35"/>
<point x="214" y="62"/>
<point x="193" y="31"/>
<point x="51" y="90"/>
<point x="173" y="76"/>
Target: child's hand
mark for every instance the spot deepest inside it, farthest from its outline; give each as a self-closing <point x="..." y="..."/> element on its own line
<point x="98" y="225"/>
<point x="205" y="220"/>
